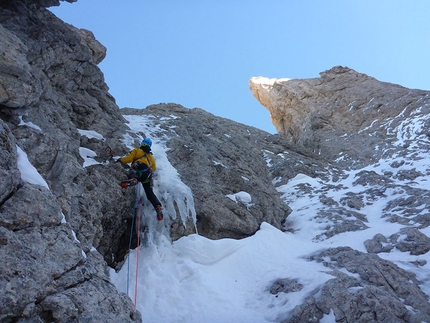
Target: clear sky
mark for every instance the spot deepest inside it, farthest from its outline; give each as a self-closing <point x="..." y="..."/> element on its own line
<point x="202" y="53"/>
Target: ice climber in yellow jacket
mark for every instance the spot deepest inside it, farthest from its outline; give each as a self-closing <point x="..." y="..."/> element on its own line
<point x="143" y="166"/>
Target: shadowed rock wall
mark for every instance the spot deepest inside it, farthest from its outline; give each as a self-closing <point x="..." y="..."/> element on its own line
<point x="50" y="87"/>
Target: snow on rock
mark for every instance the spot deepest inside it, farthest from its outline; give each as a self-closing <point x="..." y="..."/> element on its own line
<point x="88" y="156"/>
<point x="29" y="173"/>
<point x="241" y="197"/>
<point x="91" y="134"/>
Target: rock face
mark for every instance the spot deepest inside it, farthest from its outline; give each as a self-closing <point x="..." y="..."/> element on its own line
<point x="378" y="292"/>
<point x="54" y="242"/>
<point x="341" y="104"/>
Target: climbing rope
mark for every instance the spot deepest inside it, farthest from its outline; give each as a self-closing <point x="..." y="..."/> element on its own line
<point x="129" y="248"/>
<point x="138" y="214"/>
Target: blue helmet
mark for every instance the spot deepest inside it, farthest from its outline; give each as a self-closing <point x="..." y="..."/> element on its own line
<point x="147" y="142"/>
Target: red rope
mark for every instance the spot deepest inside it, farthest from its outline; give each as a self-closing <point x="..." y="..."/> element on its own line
<point x="137" y="252"/>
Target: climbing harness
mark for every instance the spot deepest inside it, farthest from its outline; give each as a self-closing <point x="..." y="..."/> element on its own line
<point x="136" y="174"/>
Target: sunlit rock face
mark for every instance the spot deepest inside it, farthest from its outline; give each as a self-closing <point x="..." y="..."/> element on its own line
<point x="342" y="103"/>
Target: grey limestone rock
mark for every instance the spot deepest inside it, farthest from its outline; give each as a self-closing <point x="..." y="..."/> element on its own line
<point x="379" y="243"/>
<point x="408" y="239"/>
<point x="285" y="285"/>
<point x="366" y="288"/>
<point x="51" y="88"/>
<point x="341" y="103"/>
<point x="411" y="240"/>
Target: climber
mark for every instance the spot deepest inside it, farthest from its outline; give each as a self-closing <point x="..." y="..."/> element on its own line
<point x="143" y="167"/>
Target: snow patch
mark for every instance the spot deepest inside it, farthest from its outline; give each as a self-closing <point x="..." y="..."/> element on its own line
<point x="90" y="134"/>
<point x="28" y="124"/>
<point x="87" y="155"/>
<point x="241" y="197"/>
<point x="29" y="173"/>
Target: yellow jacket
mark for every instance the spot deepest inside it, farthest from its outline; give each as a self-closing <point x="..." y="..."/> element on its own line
<point x="138" y="155"/>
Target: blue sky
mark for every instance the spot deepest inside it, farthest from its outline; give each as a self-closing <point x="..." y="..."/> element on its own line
<point x="203" y="53"/>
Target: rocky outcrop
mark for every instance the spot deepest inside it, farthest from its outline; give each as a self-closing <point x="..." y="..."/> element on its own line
<point x="345" y="104"/>
<point x="372" y="290"/>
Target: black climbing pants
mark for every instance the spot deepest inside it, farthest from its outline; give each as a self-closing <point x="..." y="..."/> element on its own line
<point x="150" y="194"/>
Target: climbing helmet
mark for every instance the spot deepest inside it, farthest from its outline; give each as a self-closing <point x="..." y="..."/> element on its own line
<point x="146" y="142"/>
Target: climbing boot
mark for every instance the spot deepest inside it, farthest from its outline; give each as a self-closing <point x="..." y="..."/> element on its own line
<point x="159" y="211"/>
